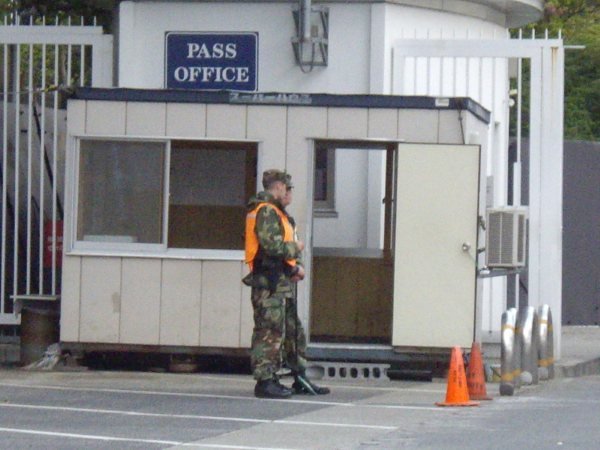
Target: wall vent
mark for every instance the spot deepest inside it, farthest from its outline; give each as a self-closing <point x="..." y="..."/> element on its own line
<point x="506" y="237"/>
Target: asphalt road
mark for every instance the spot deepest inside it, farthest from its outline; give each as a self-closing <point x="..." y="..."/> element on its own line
<point x="558" y="414"/>
<point x="141" y="410"/>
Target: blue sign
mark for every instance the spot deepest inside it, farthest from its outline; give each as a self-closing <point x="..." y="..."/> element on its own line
<point x="213" y="61"/>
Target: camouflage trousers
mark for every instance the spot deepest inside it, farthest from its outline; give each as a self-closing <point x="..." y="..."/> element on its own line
<point x="277" y="329"/>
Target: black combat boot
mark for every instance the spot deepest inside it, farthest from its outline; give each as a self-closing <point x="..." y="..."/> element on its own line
<point x="271" y="388"/>
<point x="303" y="386"/>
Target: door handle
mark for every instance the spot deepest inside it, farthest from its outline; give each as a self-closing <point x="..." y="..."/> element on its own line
<point x="466" y="247"/>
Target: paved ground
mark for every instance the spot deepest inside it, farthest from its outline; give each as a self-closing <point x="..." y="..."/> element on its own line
<point x="144" y="410"/>
<point x="65" y="410"/>
<point x="140" y="410"/>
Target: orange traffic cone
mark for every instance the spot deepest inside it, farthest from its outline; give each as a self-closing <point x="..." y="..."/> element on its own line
<point x="475" y="377"/>
<point x="456" y="392"/>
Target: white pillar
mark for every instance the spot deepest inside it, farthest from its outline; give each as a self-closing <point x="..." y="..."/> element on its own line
<point x="545" y="183"/>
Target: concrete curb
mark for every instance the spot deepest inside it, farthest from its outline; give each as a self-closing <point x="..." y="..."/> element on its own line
<point x="590" y="367"/>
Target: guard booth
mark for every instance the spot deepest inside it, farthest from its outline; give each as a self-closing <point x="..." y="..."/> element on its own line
<point x="388" y="196"/>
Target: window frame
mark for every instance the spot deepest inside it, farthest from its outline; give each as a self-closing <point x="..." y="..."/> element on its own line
<point x="76" y="247"/>
<point x="326" y="208"/>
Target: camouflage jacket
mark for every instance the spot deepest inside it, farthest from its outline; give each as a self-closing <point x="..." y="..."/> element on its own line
<point x="270" y="270"/>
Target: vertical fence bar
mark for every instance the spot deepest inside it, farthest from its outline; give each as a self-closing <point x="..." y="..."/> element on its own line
<point x="82" y="62"/>
<point x="4" y="173"/>
<point x="17" y="101"/>
<point x="453" y="86"/>
<point x="414" y="78"/>
<point x="427" y="71"/>
<point x="454" y="64"/>
<point x="517" y="194"/>
<point x="82" y="66"/>
<point x="441" y="71"/>
<point x="29" y="168"/>
<point x="42" y="166"/>
<point x="517" y="172"/>
<point x="54" y="177"/>
<point x="493" y="90"/>
<point x="428" y="76"/>
<point x="69" y="60"/>
<point x="467" y="69"/>
<point x="415" y="70"/>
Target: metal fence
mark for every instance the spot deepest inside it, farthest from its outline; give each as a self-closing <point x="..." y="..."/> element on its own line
<point x="40" y="62"/>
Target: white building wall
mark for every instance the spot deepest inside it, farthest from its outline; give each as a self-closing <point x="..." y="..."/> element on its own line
<point x="143" y="27"/>
<point x="360" y="41"/>
<point x="349" y="229"/>
<point x="405" y="22"/>
<point x="359" y="193"/>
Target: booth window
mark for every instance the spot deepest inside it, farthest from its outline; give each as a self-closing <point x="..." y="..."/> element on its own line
<point x="123" y="184"/>
<point x="120" y="191"/>
<point x="324" y="187"/>
<point x="210" y="184"/>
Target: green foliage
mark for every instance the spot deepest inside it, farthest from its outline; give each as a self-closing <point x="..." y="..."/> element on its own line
<point x="62" y="10"/>
<point x="579" y="21"/>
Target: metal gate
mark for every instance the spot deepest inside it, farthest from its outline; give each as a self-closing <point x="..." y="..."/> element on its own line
<point x="40" y="64"/>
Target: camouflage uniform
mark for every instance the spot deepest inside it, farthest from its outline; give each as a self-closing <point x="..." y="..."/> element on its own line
<point x="273" y="339"/>
<point x="294" y="345"/>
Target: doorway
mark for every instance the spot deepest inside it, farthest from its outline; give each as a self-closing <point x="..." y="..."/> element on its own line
<point x="352" y="258"/>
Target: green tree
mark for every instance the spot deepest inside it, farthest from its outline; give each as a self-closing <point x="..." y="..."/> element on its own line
<point x="102" y="10"/>
<point x="579" y="21"/>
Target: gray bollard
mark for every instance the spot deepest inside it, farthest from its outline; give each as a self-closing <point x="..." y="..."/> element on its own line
<point x="509" y="364"/>
<point x="527" y="333"/>
<point x="546" y="340"/>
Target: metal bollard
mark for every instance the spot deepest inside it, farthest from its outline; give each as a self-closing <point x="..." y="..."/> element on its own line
<point x="527" y="333"/>
<point x="546" y="340"/>
<point x="510" y="368"/>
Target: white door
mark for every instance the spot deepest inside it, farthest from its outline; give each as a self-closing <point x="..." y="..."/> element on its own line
<point x="435" y="245"/>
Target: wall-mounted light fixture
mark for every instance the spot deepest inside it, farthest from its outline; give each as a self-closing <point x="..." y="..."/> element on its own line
<point x="312" y="31"/>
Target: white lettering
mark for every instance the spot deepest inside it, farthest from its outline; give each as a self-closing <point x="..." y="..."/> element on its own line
<point x="208" y="73"/>
<point x="229" y="78"/>
<point x="243" y="74"/>
<point x="230" y="50"/>
<point x="194" y="72"/>
<point x="181" y="74"/>
<point x="203" y="53"/>
<point x="192" y="49"/>
<point x="218" y="78"/>
<point x="229" y="74"/>
<point x="217" y="51"/>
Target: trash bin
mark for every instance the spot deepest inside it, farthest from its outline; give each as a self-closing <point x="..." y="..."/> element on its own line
<point x="40" y="318"/>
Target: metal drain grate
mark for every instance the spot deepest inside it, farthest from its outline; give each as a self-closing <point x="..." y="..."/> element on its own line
<point x="350" y="371"/>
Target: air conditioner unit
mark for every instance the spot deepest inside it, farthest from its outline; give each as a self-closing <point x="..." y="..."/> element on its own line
<point x="506" y="237"/>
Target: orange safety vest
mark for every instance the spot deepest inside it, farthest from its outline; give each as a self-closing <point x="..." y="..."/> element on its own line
<point x="252" y="239"/>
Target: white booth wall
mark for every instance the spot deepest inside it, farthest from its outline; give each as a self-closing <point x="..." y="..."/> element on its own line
<point x="174" y="298"/>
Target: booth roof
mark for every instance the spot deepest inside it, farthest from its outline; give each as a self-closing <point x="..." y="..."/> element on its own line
<point x="283" y="99"/>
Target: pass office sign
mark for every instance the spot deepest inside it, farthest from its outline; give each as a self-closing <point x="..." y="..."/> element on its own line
<point x="213" y="61"/>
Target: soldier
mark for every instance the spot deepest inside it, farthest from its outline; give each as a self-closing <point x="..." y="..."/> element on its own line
<point x="272" y="254"/>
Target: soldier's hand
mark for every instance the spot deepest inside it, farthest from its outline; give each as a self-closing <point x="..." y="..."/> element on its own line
<point x="300" y="245"/>
<point x="299" y="275"/>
